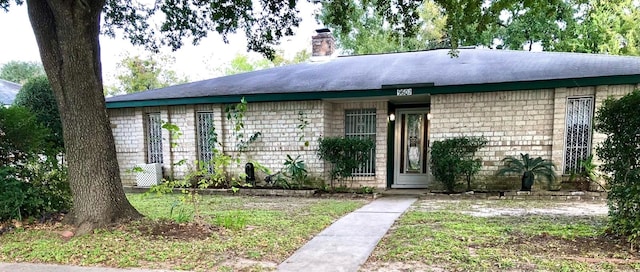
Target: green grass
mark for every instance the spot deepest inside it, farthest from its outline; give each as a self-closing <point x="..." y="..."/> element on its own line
<point x="248" y="229"/>
<point x="445" y="238"/>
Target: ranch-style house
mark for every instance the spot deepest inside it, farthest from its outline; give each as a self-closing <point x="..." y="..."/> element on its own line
<point x="541" y="103"/>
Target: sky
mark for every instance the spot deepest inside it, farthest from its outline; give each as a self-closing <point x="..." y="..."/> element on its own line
<point x="195" y="62"/>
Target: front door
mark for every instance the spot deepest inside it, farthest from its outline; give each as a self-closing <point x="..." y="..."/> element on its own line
<point x="411" y="148"/>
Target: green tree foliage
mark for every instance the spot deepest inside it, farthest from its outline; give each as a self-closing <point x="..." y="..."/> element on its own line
<point x="22" y="137"/>
<point x="618" y="119"/>
<point x="591" y="26"/>
<point x="452" y="159"/>
<point x="139" y="73"/>
<point x="20" y="71"/>
<point x="529" y="168"/>
<point x="242" y="63"/>
<point x="611" y="27"/>
<point x="368" y="31"/>
<point x="37" y="96"/>
<point x="526" y="25"/>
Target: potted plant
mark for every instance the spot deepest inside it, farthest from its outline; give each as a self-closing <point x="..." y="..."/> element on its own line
<point x="529" y="168"/>
<point x="586" y="175"/>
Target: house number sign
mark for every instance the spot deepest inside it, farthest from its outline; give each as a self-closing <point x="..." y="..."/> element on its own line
<point x="404" y="92"/>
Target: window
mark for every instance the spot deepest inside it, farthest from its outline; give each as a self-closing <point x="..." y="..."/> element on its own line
<point x="206" y="138"/>
<point x="154" y="138"/>
<point x="362" y="123"/>
<point x="577" y="145"/>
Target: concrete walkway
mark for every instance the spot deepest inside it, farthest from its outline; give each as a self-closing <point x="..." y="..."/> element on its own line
<point x="347" y="243"/>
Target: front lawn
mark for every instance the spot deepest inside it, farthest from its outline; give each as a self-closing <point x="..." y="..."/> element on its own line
<point x="465" y="236"/>
<point x="247" y="233"/>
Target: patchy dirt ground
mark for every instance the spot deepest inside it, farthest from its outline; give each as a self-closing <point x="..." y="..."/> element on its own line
<point x="487" y="208"/>
<point x="503" y="235"/>
<point x="179" y="231"/>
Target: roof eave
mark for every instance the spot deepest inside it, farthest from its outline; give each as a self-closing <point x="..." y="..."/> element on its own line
<point x="317" y="95"/>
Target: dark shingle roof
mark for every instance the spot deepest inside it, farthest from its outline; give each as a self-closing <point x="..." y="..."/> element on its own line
<point x="8" y="92"/>
<point x="371" y="72"/>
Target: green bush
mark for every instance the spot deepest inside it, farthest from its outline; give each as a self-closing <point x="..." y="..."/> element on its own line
<point x="50" y="179"/>
<point x="37" y="96"/>
<point x="344" y="154"/>
<point x="452" y="159"/>
<point x="619" y="119"/>
<point x="21" y="136"/>
<point x="29" y="186"/>
<point x="17" y="199"/>
<point x="47" y="191"/>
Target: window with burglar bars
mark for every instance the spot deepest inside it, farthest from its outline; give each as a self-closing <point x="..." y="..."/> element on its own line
<point x="206" y="141"/>
<point x="578" y="132"/>
<point x="154" y="138"/>
<point x="362" y="123"/>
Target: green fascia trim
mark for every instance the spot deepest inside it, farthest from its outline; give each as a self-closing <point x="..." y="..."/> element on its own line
<point x="472" y="88"/>
<point x="250" y="98"/>
<point x="539" y="84"/>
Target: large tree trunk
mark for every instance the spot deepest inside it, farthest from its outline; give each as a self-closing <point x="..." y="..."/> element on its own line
<point x="67" y="34"/>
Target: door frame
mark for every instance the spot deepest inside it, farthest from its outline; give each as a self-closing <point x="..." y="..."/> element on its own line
<point x="395" y="128"/>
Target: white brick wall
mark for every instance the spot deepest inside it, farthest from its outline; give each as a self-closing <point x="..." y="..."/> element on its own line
<point x="336" y="128"/>
<point x="514" y="122"/>
<point x="278" y="123"/>
<point x="127" y="127"/>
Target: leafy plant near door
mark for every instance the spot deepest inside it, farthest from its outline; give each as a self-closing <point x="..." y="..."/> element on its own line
<point x="344" y="154"/>
<point x="529" y="168"/>
<point x="454" y="159"/>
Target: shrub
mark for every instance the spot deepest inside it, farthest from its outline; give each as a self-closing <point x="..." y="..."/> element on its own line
<point x="345" y="154"/>
<point x="29" y="186"/>
<point x="37" y="96"/>
<point x="17" y="198"/>
<point x="528" y="168"/>
<point x="50" y="179"/>
<point x="619" y="120"/>
<point x="47" y="191"/>
<point x="453" y="159"/>
<point x="21" y="136"/>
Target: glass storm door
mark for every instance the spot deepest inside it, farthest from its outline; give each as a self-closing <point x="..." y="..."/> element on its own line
<point x="411" y="149"/>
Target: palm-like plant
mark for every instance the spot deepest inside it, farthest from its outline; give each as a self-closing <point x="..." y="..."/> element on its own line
<point x="529" y="168"/>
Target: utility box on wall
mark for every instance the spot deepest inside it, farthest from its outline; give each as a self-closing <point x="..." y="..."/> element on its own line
<point x="148" y="175"/>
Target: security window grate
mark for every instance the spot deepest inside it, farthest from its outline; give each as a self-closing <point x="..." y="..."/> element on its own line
<point x="154" y="138"/>
<point x="206" y="139"/>
<point x="361" y="123"/>
<point x="578" y="132"/>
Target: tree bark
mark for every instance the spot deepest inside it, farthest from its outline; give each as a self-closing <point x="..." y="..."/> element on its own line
<point x="67" y="35"/>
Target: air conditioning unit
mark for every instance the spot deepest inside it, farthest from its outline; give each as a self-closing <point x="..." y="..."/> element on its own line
<point x="148" y="175"/>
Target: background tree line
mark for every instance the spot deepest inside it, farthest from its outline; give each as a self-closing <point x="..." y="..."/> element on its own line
<point x="586" y="26"/>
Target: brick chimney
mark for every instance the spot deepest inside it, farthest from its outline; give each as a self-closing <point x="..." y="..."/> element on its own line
<point x="323" y="44"/>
